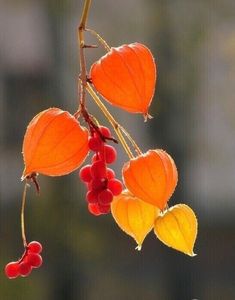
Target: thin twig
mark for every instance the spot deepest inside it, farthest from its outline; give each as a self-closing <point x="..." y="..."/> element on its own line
<point x="132" y="141"/>
<point x="82" y="47"/>
<point x="22" y="214"/>
<point x="99" y="38"/>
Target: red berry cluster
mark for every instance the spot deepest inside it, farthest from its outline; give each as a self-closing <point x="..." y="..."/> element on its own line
<point x="100" y="180"/>
<point x="30" y="259"/>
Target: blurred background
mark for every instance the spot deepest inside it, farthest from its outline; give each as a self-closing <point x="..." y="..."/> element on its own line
<point x="88" y="258"/>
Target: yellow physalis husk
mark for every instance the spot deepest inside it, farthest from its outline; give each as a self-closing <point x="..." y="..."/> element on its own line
<point x="177" y="228"/>
<point x="133" y="216"/>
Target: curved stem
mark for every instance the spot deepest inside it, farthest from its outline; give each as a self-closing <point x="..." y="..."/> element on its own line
<point x="22" y="215"/>
<point x="99" y="38"/>
<point x="111" y="119"/>
<point x="123" y="142"/>
<point x="132" y="141"/>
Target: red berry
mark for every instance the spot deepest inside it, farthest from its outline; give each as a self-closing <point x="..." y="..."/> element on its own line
<point x="24" y="269"/>
<point x="97" y="184"/>
<point x="95" y="143"/>
<point x="105" y="197"/>
<point x="104" y="209"/>
<point x="92" y="196"/>
<point x="94" y="209"/>
<point x="105" y="131"/>
<point x="89" y="186"/>
<point x="110" y="173"/>
<point x="98" y="169"/>
<point x="12" y="270"/>
<point x="95" y="157"/>
<point x="34" y="259"/>
<point x="110" y="154"/>
<point x="35" y="247"/>
<point x="115" y="186"/>
<point x="85" y="173"/>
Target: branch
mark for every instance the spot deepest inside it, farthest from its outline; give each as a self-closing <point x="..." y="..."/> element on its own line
<point x="81" y="43"/>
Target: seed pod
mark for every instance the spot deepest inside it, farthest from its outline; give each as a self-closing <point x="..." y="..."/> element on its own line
<point x="54" y="144"/>
<point x="152" y="177"/>
<point x="133" y="216"/>
<point x="126" y="77"/>
<point x="177" y="228"/>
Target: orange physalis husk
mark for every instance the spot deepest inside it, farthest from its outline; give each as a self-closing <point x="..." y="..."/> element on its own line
<point x="177" y="228"/>
<point x="126" y="77"/>
<point x="152" y="177"/>
<point x="54" y="144"/>
<point x="133" y="216"/>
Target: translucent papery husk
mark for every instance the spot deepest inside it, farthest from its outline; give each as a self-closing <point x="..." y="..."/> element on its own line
<point x="177" y="228"/>
<point x="135" y="217"/>
<point x="54" y="144"/>
<point x="152" y="177"/>
<point x="126" y="77"/>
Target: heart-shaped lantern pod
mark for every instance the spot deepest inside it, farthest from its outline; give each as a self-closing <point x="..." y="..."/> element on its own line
<point x="54" y="144"/>
<point x="152" y="177"/>
<point x="177" y="228"/>
<point x="126" y="77"/>
<point x="133" y="216"/>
